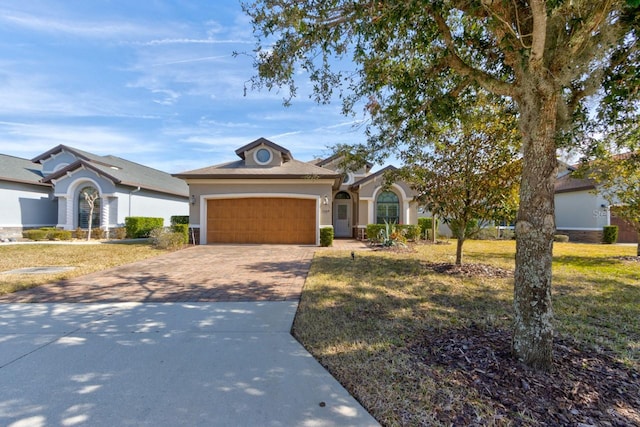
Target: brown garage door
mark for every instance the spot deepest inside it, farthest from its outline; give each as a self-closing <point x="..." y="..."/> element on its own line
<point x="626" y="233"/>
<point x="261" y="220"/>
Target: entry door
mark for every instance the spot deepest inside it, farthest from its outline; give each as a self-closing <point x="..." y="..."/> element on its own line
<point x="342" y="218"/>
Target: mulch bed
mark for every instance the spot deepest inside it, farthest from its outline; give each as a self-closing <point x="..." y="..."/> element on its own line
<point x="628" y="258"/>
<point x="585" y="388"/>
<point x="469" y="270"/>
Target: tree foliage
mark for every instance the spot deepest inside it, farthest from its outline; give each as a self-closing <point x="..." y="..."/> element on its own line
<point x="414" y="58"/>
<point x="470" y="174"/>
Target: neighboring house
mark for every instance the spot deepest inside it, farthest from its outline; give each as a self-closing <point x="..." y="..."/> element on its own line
<point x="581" y="212"/>
<point x="269" y="197"/>
<point x="47" y="191"/>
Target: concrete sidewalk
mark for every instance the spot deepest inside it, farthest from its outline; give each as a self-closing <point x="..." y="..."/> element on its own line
<point x="164" y="364"/>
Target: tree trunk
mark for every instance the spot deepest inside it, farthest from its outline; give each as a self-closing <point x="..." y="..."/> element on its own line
<point x="459" y="250"/>
<point x="533" y="331"/>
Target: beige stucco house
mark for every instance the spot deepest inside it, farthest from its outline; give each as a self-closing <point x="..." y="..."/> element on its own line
<point x="267" y="196"/>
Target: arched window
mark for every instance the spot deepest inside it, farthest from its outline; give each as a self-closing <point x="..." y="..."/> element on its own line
<point x="387" y="208"/>
<point x="343" y="195"/>
<point x="84" y="208"/>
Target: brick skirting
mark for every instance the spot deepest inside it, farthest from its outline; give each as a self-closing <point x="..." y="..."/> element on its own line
<point x="582" y="236"/>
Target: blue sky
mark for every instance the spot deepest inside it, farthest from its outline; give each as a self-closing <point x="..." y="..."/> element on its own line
<point x="153" y="81"/>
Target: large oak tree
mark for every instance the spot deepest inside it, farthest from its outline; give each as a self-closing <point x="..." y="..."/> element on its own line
<point x="413" y="58"/>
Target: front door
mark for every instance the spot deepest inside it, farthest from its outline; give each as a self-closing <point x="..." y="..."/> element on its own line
<point x="342" y="218"/>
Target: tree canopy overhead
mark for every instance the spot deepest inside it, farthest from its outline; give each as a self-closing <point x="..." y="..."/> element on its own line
<point x="415" y="57"/>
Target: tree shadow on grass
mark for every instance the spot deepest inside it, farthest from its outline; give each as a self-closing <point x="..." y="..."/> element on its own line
<point x="416" y="347"/>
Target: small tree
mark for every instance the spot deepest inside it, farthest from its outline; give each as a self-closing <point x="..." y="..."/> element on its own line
<point x="90" y="196"/>
<point x="471" y="174"/>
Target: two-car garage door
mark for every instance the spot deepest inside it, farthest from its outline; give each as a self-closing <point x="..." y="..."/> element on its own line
<point x="261" y="220"/>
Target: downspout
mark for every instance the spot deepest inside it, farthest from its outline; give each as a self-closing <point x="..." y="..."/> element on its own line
<point x="130" y="193"/>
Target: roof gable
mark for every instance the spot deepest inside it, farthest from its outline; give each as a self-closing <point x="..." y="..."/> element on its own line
<point x="286" y="154"/>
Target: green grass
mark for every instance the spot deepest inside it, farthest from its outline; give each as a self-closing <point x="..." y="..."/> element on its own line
<point x="360" y="318"/>
<point x="85" y="258"/>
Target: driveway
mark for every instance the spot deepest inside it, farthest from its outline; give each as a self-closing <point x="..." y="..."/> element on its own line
<point x="199" y="337"/>
<point x="216" y="273"/>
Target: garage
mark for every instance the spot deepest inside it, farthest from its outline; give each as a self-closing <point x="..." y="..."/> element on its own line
<point x="277" y="220"/>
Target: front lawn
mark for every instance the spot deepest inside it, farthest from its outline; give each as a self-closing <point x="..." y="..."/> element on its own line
<point x="86" y="258"/>
<point x="419" y="344"/>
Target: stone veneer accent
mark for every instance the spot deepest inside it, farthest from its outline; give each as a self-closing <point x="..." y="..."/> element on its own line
<point x="582" y="236"/>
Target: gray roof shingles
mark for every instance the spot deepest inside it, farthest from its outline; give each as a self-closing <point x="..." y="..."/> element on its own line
<point x="16" y="169"/>
<point x="119" y="170"/>
<point x="238" y="170"/>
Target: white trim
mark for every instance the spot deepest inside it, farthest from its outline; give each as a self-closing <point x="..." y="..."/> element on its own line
<point x="255" y="155"/>
<point x="367" y="199"/>
<point x="578" y="229"/>
<point x="205" y="197"/>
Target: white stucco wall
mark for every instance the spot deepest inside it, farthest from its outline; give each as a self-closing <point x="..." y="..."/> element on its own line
<point x="147" y="203"/>
<point x="581" y="210"/>
<point x="26" y="206"/>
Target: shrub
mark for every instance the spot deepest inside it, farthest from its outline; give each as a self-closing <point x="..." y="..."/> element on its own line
<point x="426" y="224"/>
<point x="119" y="233"/>
<point x="470" y="230"/>
<point x="36" y="235"/>
<point x="374" y="231"/>
<point x="163" y="238"/>
<point x="486" y="233"/>
<point x="610" y="234"/>
<point x="80" y="234"/>
<point x="180" y="219"/>
<point x="60" y="235"/>
<point x="47" y="233"/>
<point x="181" y="228"/>
<point x="141" y="226"/>
<point x="97" y="233"/>
<point x="562" y="238"/>
<point x="326" y="236"/>
<point x="411" y="232"/>
<point x="507" y="234"/>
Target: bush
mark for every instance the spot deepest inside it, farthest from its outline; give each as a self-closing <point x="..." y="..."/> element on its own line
<point x="411" y="232"/>
<point x="180" y="219"/>
<point x="426" y="226"/>
<point x="163" y="238"/>
<point x="181" y="228"/>
<point x="141" y="226"/>
<point x="374" y="231"/>
<point x="486" y="233"/>
<point x="97" y="233"/>
<point x="60" y="235"/>
<point x="119" y="233"/>
<point x="80" y="234"/>
<point x="470" y="230"/>
<point x="562" y="238"/>
<point x="47" y="233"/>
<point x="507" y="234"/>
<point x="610" y="234"/>
<point x="36" y="235"/>
<point x="326" y="236"/>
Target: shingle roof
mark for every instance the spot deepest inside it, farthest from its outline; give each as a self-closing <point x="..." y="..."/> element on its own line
<point x="118" y="170"/>
<point x="373" y="176"/>
<point x="567" y="183"/>
<point x="17" y="169"/>
<point x="238" y="170"/>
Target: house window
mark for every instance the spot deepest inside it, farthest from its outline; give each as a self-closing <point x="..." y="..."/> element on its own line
<point x="262" y="156"/>
<point x="342" y="196"/>
<point x="387" y="208"/>
<point x="84" y="209"/>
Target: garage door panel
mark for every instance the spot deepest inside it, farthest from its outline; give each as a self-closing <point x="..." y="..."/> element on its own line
<point x="261" y="220"/>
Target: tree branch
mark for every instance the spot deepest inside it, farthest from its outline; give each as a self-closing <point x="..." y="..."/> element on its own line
<point x="454" y="61"/>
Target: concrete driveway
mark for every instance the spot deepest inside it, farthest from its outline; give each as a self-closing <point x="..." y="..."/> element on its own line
<point x="149" y="347"/>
